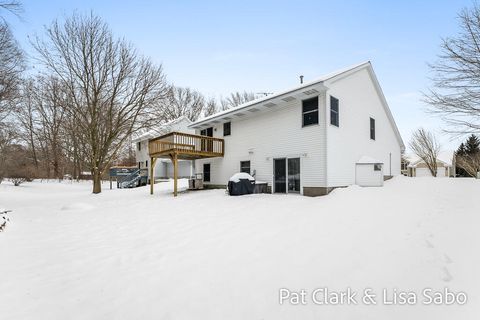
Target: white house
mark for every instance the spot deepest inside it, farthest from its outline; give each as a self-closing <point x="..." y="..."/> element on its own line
<point x="445" y="166"/>
<point x="163" y="167"/>
<point x="308" y="139"/>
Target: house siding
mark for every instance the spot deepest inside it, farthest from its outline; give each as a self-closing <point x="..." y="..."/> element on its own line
<point x="268" y="135"/>
<point x="164" y="169"/>
<point x="359" y="101"/>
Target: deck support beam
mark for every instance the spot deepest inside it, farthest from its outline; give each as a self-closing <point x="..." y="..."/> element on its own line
<point x="175" y="173"/>
<point x="152" y="173"/>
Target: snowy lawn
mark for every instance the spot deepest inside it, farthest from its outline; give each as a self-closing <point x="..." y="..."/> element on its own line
<point x="123" y="254"/>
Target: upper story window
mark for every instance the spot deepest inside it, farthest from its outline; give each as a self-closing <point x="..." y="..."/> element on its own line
<point x="334" y="112"/>
<point x="139" y="146"/>
<point x="372" y="128"/>
<point x="245" y="166"/>
<point x="207" y="132"/>
<point x="310" y="111"/>
<point x="227" y="128"/>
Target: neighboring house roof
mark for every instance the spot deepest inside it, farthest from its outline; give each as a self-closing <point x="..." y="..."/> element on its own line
<point x="445" y="157"/>
<point x="368" y="160"/>
<point x="270" y="102"/>
<point x="160" y="130"/>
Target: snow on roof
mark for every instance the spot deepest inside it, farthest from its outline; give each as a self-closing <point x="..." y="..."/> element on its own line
<point x="275" y="95"/>
<point x="162" y="129"/>
<point x="367" y="160"/>
<point x="318" y="81"/>
<point x="445" y="156"/>
<point x="241" y="176"/>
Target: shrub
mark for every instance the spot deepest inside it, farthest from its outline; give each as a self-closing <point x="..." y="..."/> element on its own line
<point x="18" y="180"/>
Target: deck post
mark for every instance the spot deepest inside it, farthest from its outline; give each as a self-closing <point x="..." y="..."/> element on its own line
<point x="175" y="173"/>
<point x="152" y="173"/>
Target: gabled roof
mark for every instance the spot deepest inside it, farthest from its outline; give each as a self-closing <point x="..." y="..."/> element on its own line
<point x="299" y="92"/>
<point x="276" y="95"/>
<point x="161" y="129"/>
<point x="445" y="157"/>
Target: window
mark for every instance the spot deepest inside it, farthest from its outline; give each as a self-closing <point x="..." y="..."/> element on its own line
<point x="139" y="146"/>
<point x="206" y="172"/>
<point x="207" y="132"/>
<point x="146" y="164"/>
<point x="377" y="167"/>
<point x="227" y="128"/>
<point x="372" y="128"/>
<point x="334" y="114"/>
<point x="310" y="111"/>
<point x="245" y="166"/>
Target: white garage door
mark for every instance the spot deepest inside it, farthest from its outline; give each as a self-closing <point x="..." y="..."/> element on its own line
<point x="424" y="172"/>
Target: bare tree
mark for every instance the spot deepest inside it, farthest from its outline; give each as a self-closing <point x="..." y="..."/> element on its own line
<point x="235" y="99"/>
<point x="455" y="95"/>
<point x="113" y="90"/>
<point x="470" y="163"/>
<point x="211" y="107"/>
<point x="11" y="68"/>
<point x="12" y="6"/>
<point x="51" y="107"/>
<point x="426" y="147"/>
<point x="27" y="119"/>
<point x="183" y="102"/>
<point x="7" y="136"/>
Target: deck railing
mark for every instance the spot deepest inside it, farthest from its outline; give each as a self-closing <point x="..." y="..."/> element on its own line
<point x="187" y="145"/>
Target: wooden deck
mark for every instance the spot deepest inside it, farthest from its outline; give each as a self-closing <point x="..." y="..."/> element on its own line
<point x="182" y="146"/>
<point x="186" y="146"/>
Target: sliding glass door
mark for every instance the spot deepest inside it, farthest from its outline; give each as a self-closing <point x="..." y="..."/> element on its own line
<point x="286" y="175"/>
<point x="280" y="172"/>
<point x="294" y="175"/>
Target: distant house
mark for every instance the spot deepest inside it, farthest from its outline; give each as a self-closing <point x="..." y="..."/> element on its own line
<point x="164" y="167"/>
<point x="445" y="166"/>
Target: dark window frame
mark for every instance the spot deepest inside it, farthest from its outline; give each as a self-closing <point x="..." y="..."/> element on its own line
<point x="225" y="131"/>
<point x="372" y="129"/>
<point x="334" y="114"/>
<point x="207" y="178"/>
<point x="377" y="167"/>
<point x="205" y="132"/>
<point x="310" y="112"/>
<point x="243" y="166"/>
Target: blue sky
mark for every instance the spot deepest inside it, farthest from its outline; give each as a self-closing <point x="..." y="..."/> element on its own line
<point x="218" y="47"/>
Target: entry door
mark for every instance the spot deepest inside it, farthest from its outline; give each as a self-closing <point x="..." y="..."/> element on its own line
<point x="207" y="145"/>
<point x="294" y="175"/>
<point x="280" y="175"/>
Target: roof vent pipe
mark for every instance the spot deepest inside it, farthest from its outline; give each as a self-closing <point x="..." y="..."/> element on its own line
<point x="301" y="79"/>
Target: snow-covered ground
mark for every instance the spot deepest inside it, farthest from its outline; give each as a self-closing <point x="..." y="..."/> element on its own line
<point x="124" y="254"/>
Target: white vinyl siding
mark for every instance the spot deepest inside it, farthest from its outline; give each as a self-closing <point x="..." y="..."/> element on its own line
<point x="347" y="144"/>
<point x="273" y="134"/>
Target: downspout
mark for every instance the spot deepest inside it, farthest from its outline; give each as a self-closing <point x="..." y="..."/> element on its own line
<point x="390" y="164"/>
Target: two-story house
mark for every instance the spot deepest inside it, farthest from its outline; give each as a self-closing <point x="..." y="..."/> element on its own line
<point x="331" y="132"/>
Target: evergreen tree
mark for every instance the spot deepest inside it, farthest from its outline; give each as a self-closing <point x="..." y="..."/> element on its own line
<point x="467" y="157"/>
<point x="472" y="145"/>
<point x="461" y="150"/>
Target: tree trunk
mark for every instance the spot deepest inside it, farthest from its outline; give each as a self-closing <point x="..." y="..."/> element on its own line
<point x="97" y="181"/>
